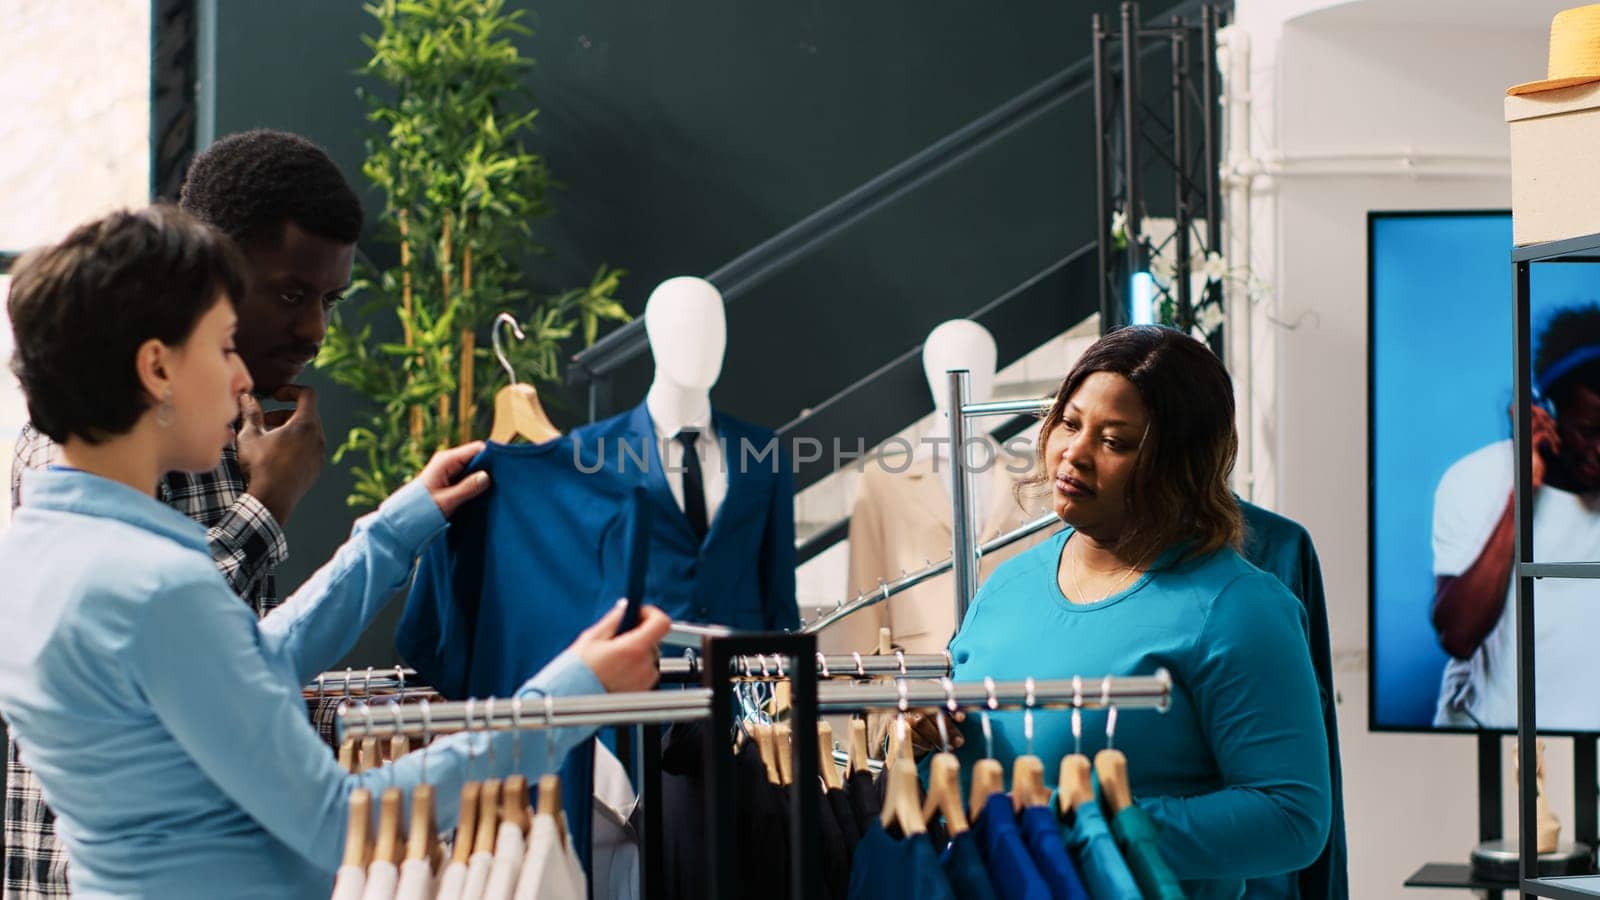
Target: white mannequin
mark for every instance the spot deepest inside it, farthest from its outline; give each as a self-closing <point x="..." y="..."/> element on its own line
<point x="688" y="333"/>
<point x="958" y="344"/>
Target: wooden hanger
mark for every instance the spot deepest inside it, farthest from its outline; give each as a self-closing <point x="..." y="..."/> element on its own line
<point x="1074" y="787"/>
<point x="988" y="779"/>
<point x="391" y="805"/>
<point x="424" y="834"/>
<point x="347" y="754"/>
<point x="768" y="745"/>
<point x="488" y="816"/>
<point x="514" y="802"/>
<point x="944" y="793"/>
<point x="467" y="823"/>
<point x="901" y="804"/>
<point x="357" y="836"/>
<point x="369" y="755"/>
<point x="830" y="769"/>
<point x="399" y="746"/>
<point x="899" y="747"/>
<point x="1027" y="783"/>
<point x="517" y="410"/>
<point x="1112" y="767"/>
<point x="550" y="803"/>
<point x="858" y="747"/>
<point x="783" y="744"/>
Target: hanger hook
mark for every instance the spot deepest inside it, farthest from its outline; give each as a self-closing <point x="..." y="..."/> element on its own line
<point x="399" y="729"/>
<point x="951" y="705"/>
<point x="762" y="659"/>
<point x="367" y="708"/>
<point x="861" y="670"/>
<point x="321" y="688"/>
<point x="1027" y="715"/>
<point x="1077" y="714"/>
<point x="349" y="682"/>
<point x="1111" y="712"/>
<point x="499" y="349"/>
<point x="400" y="676"/>
<point x="471" y="751"/>
<point x="777" y="661"/>
<point x="366" y="684"/>
<point x="549" y="725"/>
<point x="900" y="657"/>
<point x="990" y="702"/>
<point x="427" y="738"/>
<point x="822" y="665"/>
<point x="516" y="733"/>
<point x="488" y="725"/>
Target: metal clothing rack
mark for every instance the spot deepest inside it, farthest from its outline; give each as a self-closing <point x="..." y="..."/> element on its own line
<point x="371" y="680"/>
<point x="715" y="701"/>
<point x="964" y="556"/>
<point x="689" y="667"/>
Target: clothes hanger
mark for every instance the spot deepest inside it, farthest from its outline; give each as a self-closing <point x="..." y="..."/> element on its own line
<point x="1027" y="770"/>
<point x="514" y="790"/>
<point x="783" y="744"/>
<point x="357" y="836"/>
<point x="902" y="807"/>
<point x="767" y="743"/>
<point x="423" y="836"/>
<point x="550" y="785"/>
<point x="350" y="744"/>
<point x="944" y="776"/>
<point x="1074" y="787"/>
<point x="900" y="737"/>
<point x="830" y="771"/>
<point x="467" y="820"/>
<point x="858" y="747"/>
<point x="988" y="777"/>
<point x="488" y="795"/>
<point x="517" y="410"/>
<point x="391" y="806"/>
<point x="1110" y="764"/>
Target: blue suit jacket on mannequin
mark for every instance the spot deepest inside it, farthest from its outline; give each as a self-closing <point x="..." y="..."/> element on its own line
<point x="742" y="574"/>
<point x="1282" y="547"/>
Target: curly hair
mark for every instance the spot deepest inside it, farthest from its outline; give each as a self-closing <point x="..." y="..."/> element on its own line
<point x="1179" y="494"/>
<point x="251" y="183"/>
<point x="82" y="308"/>
<point x="1569" y="330"/>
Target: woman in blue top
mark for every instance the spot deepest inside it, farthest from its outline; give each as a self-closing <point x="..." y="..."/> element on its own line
<point x="165" y="723"/>
<point x="1136" y="453"/>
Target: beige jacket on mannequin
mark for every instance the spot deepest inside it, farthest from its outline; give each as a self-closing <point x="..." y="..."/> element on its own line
<point x="901" y="521"/>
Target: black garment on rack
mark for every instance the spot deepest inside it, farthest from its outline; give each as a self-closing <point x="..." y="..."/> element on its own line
<point x="864" y="799"/>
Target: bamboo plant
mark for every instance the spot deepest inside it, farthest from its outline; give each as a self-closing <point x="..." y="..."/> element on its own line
<point x="460" y="188"/>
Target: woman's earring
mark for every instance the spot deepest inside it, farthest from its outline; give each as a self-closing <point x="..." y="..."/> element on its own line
<point x="165" y="410"/>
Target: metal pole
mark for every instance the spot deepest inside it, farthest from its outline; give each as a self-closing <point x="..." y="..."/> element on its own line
<point x="1213" y="174"/>
<point x="962" y="557"/>
<point x="1526" y="708"/>
<point x="1130" y="140"/>
<point x="804" y="846"/>
<point x="1102" y="186"/>
<point x="1180" y="177"/>
<point x="1009" y="407"/>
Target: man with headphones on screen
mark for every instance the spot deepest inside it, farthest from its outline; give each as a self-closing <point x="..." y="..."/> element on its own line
<point x="1474" y="532"/>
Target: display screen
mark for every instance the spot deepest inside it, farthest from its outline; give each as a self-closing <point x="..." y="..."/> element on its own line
<point x="1442" y="617"/>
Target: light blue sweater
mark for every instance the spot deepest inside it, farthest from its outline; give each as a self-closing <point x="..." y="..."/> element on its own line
<point x="166" y="724"/>
<point x="1236" y="772"/>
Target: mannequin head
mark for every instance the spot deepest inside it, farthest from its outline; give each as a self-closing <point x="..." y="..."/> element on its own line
<point x="958" y="344"/>
<point x="688" y="332"/>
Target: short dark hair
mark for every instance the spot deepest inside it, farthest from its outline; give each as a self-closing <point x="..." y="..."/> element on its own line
<point x="1179" y="494"/>
<point x="1568" y="331"/>
<point x="252" y="183"/>
<point x="80" y="310"/>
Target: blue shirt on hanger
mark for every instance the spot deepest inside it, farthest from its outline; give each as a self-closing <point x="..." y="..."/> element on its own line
<point x="165" y="723"/>
<point x="886" y="867"/>
<point x="1011" y="868"/>
<point x="521" y="572"/>
<point x="1042" y="832"/>
<point x="742" y="573"/>
<point x="1105" y="873"/>
<point x="964" y="868"/>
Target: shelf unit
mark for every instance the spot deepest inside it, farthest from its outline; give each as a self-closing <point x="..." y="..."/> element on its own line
<point x="1579" y="249"/>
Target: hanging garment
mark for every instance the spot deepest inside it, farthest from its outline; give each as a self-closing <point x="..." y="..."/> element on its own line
<point x="862" y="789"/>
<point x="1281" y="547"/>
<point x="508" y="854"/>
<point x="350" y="883"/>
<point x="550" y="870"/>
<point x="452" y="881"/>
<point x="887" y="867"/>
<point x="382" y="879"/>
<point x="1105" y="873"/>
<point x="416" y="880"/>
<point x="519" y="574"/>
<point x="899" y="523"/>
<point x="1010" y="866"/>
<point x="742" y="573"/>
<point x="836" y="852"/>
<point x="964" y="869"/>
<point x="615" y="865"/>
<point x="479" y="865"/>
<point x="1042" y="834"/>
<point x="1136" y="838"/>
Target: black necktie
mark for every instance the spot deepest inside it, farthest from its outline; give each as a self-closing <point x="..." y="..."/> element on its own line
<point x="694" y="491"/>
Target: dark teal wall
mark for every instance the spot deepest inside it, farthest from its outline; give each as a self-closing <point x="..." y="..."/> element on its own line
<point x="688" y="132"/>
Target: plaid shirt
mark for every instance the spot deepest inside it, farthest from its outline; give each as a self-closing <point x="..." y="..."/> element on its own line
<point x="246" y="543"/>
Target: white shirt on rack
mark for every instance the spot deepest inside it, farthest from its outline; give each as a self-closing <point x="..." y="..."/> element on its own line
<point x="508" y="852"/>
<point x="416" y="880"/>
<point x="349" y="883"/>
<point x="382" y="878"/>
<point x="478" y="866"/>
<point x="713" y="461"/>
<point x="551" y="870"/>
<point x="451" y="881"/>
